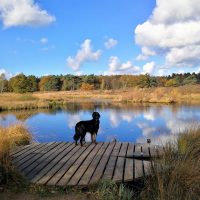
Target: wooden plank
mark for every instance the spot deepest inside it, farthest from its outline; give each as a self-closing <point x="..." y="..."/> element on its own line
<point x="19" y="149"/>
<point x="109" y="171"/>
<point x="67" y="165"/>
<point x="46" y="159"/>
<point x="102" y="164"/>
<point x="129" y="166"/>
<point x="153" y="151"/>
<point x="33" y="166"/>
<point x="67" y="176"/>
<point x="145" y="150"/>
<point x="138" y="150"/>
<point x="147" y="167"/>
<point x="156" y="150"/>
<point x="89" y="172"/>
<point x="79" y="173"/>
<point x="21" y="154"/>
<point x="37" y="155"/>
<point x="119" y="168"/>
<point x="68" y="147"/>
<point x="58" y="170"/>
<point x="139" y="171"/>
<point x="29" y="154"/>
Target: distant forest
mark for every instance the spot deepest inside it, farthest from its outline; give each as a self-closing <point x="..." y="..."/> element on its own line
<point x="22" y="83"/>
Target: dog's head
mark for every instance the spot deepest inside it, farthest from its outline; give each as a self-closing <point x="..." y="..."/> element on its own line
<point x="95" y="115"/>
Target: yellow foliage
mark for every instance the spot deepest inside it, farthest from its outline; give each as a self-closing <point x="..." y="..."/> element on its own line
<point x="87" y="86"/>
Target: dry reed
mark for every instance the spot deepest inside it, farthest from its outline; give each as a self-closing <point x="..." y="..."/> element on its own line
<point x="176" y="176"/>
<point x="10" y="137"/>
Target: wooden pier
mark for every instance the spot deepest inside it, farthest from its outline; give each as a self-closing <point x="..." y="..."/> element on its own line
<point x="63" y="163"/>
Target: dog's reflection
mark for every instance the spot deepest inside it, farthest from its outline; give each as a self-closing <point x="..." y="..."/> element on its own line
<point x="90" y="126"/>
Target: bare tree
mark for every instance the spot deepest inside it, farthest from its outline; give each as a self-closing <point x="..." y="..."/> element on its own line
<point x="2" y="82"/>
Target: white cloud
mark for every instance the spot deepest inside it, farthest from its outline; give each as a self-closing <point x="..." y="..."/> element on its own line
<point x="177" y="126"/>
<point x="147" y="130"/>
<point x="172" y="31"/>
<point x="161" y="72"/>
<point x="116" y="67"/>
<point x="79" y="73"/>
<point x="127" y="117"/>
<point x="188" y="55"/>
<point x="72" y="120"/>
<point x="23" y="13"/>
<point x="149" y="116"/>
<point x="179" y="10"/>
<point x="83" y="55"/>
<point x="114" y="119"/>
<point x="110" y="43"/>
<point x="8" y="75"/>
<point x="146" y="52"/>
<point x="117" y="117"/>
<point x="43" y="40"/>
<point x="148" y="68"/>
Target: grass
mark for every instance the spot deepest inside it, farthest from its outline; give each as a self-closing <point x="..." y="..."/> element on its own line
<point x="11" y="137"/>
<point x="186" y="94"/>
<point x="176" y="176"/>
<point x="108" y="190"/>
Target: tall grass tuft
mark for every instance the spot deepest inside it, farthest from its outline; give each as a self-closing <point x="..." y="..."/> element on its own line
<point x="177" y="174"/>
<point x="108" y="190"/>
<point x="10" y="137"/>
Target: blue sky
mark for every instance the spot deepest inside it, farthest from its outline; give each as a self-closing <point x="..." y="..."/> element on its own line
<point x="43" y="37"/>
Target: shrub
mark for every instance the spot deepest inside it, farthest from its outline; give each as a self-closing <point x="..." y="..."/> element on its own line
<point x="87" y="86"/>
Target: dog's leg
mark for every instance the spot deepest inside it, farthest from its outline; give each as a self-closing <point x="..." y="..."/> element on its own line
<point x="95" y="136"/>
<point x="82" y="138"/>
<point x="92" y="138"/>
<point x="77" y="134"/>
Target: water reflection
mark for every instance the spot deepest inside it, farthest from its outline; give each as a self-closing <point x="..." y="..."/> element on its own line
<point x="124" y="122"/>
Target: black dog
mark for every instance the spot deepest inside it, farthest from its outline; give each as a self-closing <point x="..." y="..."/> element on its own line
<point x="91" y="126"/>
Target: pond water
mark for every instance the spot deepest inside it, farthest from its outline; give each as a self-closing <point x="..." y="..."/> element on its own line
<point x="124" y="122"/>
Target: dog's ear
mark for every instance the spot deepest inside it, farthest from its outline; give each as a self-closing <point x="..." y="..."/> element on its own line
<point x="93" y="115"/>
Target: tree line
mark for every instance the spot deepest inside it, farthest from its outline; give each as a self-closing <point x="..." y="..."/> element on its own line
<point x="22" y="83"/>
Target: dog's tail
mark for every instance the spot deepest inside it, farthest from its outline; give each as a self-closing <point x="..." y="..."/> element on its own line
<point x="76" y="137"/>
<point x="77" y="134"/>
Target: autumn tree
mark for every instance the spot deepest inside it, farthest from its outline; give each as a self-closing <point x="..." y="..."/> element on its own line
<point x="86" y="87"/>
<point x="124" y="81"/>
<point x="172" y="83"/>
<point x="50" y="83"/>
<point x="161" y="81"/>
<point x="19" y="83"/>
<point x="146" y="81"/>
<point x="42" y="82"/>
<point x="32" y="83"/>
<point x="190" y="80"/>
<point x="91" y="79"/>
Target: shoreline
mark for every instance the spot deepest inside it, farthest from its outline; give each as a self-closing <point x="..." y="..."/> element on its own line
<point x="48" y="100"/>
